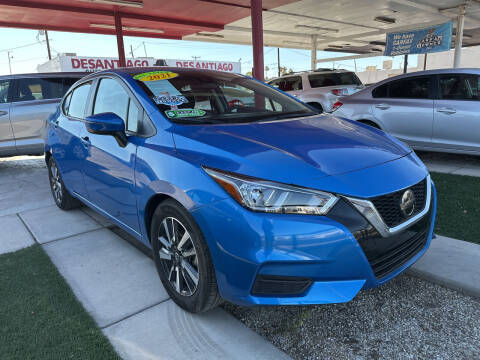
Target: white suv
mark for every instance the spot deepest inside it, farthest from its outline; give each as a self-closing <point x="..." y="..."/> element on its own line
<point x="320" y="88"/>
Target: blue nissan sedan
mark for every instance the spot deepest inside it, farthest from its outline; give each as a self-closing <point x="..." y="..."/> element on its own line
<point x="241" y="192"/>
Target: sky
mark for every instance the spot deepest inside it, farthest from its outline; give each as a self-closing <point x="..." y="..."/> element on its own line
<point x="28" y="49"/>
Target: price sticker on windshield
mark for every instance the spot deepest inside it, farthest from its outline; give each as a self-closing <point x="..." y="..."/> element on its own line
<point x="155" y="76"/>
<point x="184" y="113"/>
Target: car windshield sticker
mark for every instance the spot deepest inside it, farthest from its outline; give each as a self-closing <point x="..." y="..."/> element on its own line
<point x="181" y="113"/>
<point x="155" y="75"/>
<point x="171" y="100"/>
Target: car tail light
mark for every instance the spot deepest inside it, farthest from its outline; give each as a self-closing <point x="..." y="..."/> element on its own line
<point x="336" y="105"/>
<point x="340" y="92"/>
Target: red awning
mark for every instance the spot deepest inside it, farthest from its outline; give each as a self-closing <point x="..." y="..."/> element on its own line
<point x="166" y="19"/>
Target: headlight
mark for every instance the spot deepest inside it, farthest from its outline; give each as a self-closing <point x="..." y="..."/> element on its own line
<point x="266" y="196"/>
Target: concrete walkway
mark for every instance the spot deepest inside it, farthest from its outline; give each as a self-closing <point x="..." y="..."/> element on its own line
<point x="116" y="283"/>
<point x="455" y="164"/>
<point x="452" y="263"/>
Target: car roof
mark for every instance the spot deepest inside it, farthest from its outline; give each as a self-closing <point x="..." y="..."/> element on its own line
<point x="129" y="71"/>
<point x="430" y="72"/>
<point x="309" y="72"/>
<point x="46" y="74"/>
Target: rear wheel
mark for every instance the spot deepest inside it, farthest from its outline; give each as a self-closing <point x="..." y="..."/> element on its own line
<point x="182" y="258"/>
<point x="62" y="197"/>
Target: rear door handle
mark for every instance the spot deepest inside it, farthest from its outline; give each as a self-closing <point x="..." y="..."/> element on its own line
<point x="3" y="113"/>
<point x="382" y="106"/>
<point x="85" y="141"/>
<point x="448" y="111"/>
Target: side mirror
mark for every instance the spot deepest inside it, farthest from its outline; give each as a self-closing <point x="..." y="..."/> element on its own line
<point x="107" y="124"/>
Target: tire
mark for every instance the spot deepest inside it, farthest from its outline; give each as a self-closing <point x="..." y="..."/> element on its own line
<point x="183" y="261"/>
<point x="60" y="194"/>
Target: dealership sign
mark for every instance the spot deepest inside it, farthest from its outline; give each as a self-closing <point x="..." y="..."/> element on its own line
<point x="420" y="41"/>
<point x="228" y="66"/>
<point x="90" y="64"/>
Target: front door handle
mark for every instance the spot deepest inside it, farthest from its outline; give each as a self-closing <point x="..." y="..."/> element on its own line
<point x="382" y="106"/>
<point x="448" y="111"/>
<point x="3" y="113"/>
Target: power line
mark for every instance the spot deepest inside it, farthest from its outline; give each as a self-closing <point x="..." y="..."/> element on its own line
<point x="23" y="46"/>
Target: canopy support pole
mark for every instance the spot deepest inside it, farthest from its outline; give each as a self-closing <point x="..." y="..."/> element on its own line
<point x="314" y="52"/>
<point x="459" y="36"/>
<point x="119" y="33"/>
<point x="257" y="39"/>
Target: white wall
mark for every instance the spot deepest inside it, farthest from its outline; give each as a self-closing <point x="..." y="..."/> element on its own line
<point x="441" y="60"/>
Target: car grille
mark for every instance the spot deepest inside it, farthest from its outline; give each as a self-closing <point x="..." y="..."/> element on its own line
<point x="385" y="255"/>
<point x="388" y="206"/>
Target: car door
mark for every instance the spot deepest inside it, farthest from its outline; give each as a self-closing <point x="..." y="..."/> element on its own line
<point x="109" y="168"/>
<point x="7" y="140"/>
<point x="64" y="138"/>
<point x="405" y="109"/>
<point x="456" y="116"/>
<point x="34" y="100"/>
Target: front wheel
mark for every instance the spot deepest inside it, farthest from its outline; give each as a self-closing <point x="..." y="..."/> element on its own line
<point x="183" y="259"/>
<point x="62" y="197"/>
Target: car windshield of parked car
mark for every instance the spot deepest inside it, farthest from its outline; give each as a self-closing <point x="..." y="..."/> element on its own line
<point x="217" y="98"/>
<point x="333" y="79"/>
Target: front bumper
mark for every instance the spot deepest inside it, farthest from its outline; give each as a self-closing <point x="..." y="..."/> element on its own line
<point x="245" y="245"/>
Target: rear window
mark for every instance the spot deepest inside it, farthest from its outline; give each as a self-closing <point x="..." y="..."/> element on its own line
<point x="333" y="79"/>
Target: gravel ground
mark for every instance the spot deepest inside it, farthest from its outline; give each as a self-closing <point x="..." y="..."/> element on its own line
<point x="406" y="318"/>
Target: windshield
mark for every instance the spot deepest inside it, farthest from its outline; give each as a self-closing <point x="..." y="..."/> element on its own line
<point x="216" y="98"/>
<point x="333" y="79"/>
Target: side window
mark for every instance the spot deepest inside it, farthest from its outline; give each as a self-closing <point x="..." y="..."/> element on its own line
<point x="410" y="88"/>
<point x="291" y="83"/>
<point x="4" y="88"/>
<point x="111" y="97"/>
<point x="133" y="115"/>
<point x="275" y="83"/>
<point x="459" y="87"/>
<point x="78" y="101"/>
<point x="53" y="88"/>
<point x="30" y="89"/>
<point x="66" y="103"/>
<point x="380" y="91"/>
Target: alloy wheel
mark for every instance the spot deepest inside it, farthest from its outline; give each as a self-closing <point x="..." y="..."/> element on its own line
<point x="56" y="183"/>
<point x="178" y="256"/>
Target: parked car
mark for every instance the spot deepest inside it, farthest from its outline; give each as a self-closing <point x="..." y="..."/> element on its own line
<point x="320" y="88"/>
<point x="435" y="110"/>
<point x="255" y="200"/>
<point x="25" y="103"/>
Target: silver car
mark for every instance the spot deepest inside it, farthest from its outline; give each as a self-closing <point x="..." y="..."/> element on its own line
<point x="320" y="88"/>
<point x="26" y="101"/>
<point x="435" y="110"/>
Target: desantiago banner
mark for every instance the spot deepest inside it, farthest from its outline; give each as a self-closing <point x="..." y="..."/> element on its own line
<point x="420" y="41"/>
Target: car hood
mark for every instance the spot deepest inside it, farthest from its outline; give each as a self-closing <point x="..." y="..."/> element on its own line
<point x="289" y="150"/>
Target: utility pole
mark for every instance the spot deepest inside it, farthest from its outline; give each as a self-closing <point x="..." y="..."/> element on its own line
<point x="355" y="63"/>
<point x="278" y="61"/>
<point x="131" y="51"/>
<point x="405" y="63"/>
<point x="9" y="63"/>
<point x="145" y="49"/>
<point x="48" y="45"/>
